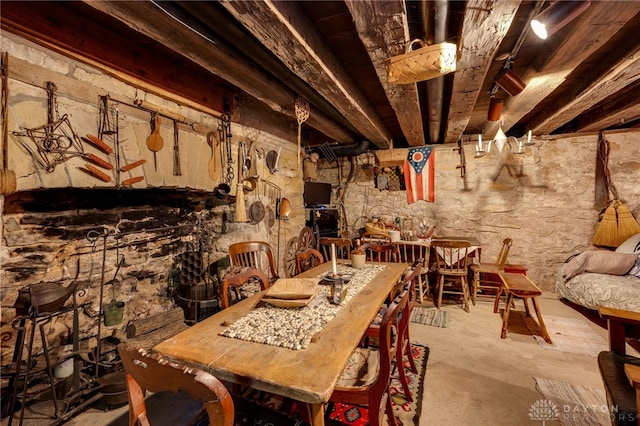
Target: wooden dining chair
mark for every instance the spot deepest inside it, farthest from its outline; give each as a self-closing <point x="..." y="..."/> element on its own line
<point x="362" y="383"/>
<point x="237" y="278"/>
<point x="386" y="252"/>
<point x="409" y="252"/>
<point x="485" y="275"/>
<point x="308" y="259"/>
<point x="343" y="247"/>
<point x="255" y="254"/>
<point x="151" y="372"/>
<point x="408" y="282"/>
<point x="452" y="258"/>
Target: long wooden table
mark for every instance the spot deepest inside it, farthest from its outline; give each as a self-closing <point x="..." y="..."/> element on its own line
<point x="307" y="375"/>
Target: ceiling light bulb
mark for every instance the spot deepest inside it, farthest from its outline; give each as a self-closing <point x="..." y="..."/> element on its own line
<point x="539" y="28"/>
<point x="556" y="16"/>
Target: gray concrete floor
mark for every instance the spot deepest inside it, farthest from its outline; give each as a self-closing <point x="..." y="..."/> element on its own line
<point x="476" y="378"/>
<point x="473" y="376"/>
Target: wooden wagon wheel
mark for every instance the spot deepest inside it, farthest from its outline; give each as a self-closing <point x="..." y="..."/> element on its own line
<point x="306" y="239"/>
<point x="290" y="257"/>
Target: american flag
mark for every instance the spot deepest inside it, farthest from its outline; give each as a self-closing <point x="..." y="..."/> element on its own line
<point x="419" y="172"/>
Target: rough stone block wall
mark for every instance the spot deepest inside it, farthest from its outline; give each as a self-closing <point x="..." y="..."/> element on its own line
<point x="46" y="222"/>
<point x="544" y="199"/>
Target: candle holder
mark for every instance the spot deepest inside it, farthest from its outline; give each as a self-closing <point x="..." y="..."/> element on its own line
<point x="338" y="289"/>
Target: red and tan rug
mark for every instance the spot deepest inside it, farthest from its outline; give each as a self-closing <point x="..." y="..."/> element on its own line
<point x="406" y="412"/>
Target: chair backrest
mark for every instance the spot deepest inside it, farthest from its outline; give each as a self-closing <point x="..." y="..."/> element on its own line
<point x="254" y="254"/>
<point x="452" y="256"/>
<point x="411" y="278"/>
<point x="409" y="252"/>
<point x="238" y="277"/>
<point x="389" y="342"/>
<point x="343" y="247"/>
<point x="145" y="371"/>
<point x="503" y="253"/>
<point x="308" y="259"/>
<point x="386" y="252"/>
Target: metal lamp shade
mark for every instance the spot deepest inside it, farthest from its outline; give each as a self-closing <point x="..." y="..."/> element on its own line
<point x="510" y="82"/>
<point x="556" y="16"/>
<point x="495" y="109"/>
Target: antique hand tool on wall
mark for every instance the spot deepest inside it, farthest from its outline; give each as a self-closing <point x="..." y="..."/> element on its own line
<point x="154" y="140"/>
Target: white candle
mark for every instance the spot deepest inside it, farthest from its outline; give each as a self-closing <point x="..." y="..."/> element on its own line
<point x="479" y="142"/>
<point x="334" y="268"/>
<point x="529" y="138"/>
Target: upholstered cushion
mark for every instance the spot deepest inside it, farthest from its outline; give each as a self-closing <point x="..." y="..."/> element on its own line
<point x="362" y="368"/>
<point x="620" y="393"/>
<point x="631" y="245"/>
<point x="600" y="261"/>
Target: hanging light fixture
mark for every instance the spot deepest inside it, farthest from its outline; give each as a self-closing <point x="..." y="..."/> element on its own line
<point x="556" y="16"/>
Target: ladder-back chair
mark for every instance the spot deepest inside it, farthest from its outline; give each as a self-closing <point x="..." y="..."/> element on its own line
<point x="484" y="274"/>
<point x="409" y="252"/>
<point x="452" y="265"/>
<point x="237" y="278"/>
<point x="254" y="254"/>
<point x="343" y="247"/>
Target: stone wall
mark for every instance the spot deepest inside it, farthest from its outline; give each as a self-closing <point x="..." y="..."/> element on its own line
<point x="543" y="199"/>
<point x="60" y="222"/>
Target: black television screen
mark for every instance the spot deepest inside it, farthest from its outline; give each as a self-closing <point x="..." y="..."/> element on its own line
<point x="316" y="193"/>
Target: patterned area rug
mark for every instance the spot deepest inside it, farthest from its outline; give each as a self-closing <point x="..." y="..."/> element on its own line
<point x="429" y="316"/>
<point x="406" y="412"/>
<point x="571" y="405"/>
<point x="568" y="335"/>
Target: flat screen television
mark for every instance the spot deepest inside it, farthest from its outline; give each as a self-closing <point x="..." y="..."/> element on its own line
<point x="317" y="193"/>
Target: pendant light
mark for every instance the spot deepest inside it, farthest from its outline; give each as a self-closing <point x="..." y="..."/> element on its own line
<point x="556" y="16"/>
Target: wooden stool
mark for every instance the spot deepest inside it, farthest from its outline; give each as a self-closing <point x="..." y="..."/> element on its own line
<point x="518" y="285"/>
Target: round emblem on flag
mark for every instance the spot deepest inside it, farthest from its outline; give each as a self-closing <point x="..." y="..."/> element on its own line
<point x="417" y="156"/>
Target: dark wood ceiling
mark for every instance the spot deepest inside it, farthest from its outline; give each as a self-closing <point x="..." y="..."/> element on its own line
<point x="265" y="54"/>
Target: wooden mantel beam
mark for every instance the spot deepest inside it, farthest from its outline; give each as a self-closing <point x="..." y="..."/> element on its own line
<point x="285" y="30"/>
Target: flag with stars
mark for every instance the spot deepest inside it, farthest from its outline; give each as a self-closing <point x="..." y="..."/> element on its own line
<point x="419" y="173"/>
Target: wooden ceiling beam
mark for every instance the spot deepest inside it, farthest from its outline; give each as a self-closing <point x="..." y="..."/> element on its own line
<point x="589" y="32"/>
<point x="287" y="32"/>
<point x="621" y="109"/>
<point x="484" y="26"/>
<point x="620" y="76"/>
<point x="384" y="31"/>
<point x="218" y="58"/>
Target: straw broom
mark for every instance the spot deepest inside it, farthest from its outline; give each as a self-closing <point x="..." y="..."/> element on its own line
<point x="607" y="231"/>
<point x="618" y="223"/>
<point x="627" y="224"/>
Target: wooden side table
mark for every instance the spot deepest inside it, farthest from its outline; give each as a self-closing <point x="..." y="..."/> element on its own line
<point x="518" y="285"/>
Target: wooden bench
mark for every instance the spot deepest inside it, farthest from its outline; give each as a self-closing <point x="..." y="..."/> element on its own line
<point x="518" y="285"/>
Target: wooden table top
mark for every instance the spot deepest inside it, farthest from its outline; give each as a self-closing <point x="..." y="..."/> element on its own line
<point x="307" y="375"/>
<point x="519" y="284"/>
<point x="472" y="240"/>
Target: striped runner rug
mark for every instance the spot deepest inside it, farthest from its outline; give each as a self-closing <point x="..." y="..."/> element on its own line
<point x="429" y="316"/>
<point x="570" y="404"/>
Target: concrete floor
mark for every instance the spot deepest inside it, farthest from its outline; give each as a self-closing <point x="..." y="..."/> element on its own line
<point x="473" y="376"/>
<point x="476" y="378"/>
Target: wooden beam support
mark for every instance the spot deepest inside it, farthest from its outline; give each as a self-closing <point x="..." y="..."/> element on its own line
<point x="285" y="30"/>
<point x="216" y="57"/>
<point x="485" y="25"/>
<point x="383" y="29"/>
<point x="589" y="32"/>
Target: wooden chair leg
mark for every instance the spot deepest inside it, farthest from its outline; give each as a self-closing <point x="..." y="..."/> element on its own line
<point x="476" y="283"/>
<point x="402" y="374"/>
<point x="526" y="306"/>
<point x="505" y="316"/>
<point x="465" y="292"/>
<point x="545" y="334"/>
<point x="408" y="353"/>
<point x="496" y="303"/>
<point x="440" y="287"/>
